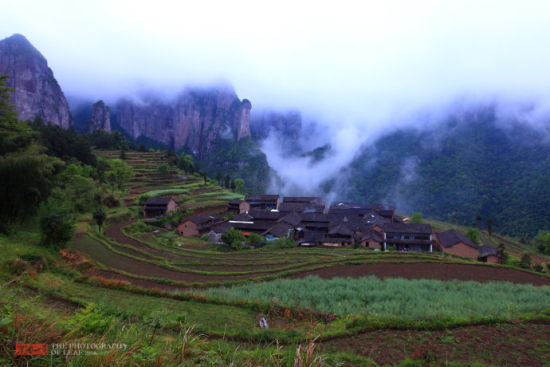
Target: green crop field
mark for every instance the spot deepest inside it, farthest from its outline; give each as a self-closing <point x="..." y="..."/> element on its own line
<point x="411" y="299"/>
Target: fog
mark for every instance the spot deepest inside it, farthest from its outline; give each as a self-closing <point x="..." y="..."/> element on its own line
<point x="356" y="68"/>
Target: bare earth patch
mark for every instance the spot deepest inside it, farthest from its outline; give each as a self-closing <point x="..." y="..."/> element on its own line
<point x="480" y="273"/>
<point x="525" y="344"/>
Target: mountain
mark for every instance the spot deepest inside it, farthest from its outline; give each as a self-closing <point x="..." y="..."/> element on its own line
<point x="37" y="93"/>
<point x="100" y="117"/>
<point x="196" y="118"/>
<point x="473" y="165"/>
<point x="211" y="123"/>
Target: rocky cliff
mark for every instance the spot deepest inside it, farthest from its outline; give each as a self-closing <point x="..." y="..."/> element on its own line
<point x="195" y="119"/>
<point x="37" y="93"/>
<point x="100" y="118"/>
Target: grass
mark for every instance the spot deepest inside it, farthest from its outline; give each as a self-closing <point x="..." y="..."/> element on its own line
<point x="166" y="312"/>
<point x="393" y="297"/>
<point x="166" y="192"/>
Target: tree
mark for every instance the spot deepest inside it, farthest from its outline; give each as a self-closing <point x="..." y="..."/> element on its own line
<point x="525" y="261"/>
<point x="163" y="169"/>
<point x="119" y="172"/>
<point x="26" y="173"/>
<point x="233" y="238"/>
<point x="542" y="241"/>
<point x="473" y="235"/>
<point x="219" y="177"/>
<point x="99" y="217"/>
<point x="239" y="185"/>
<point x="57" y="228"/>
<point x="142" y="148"/>
<point x="490" y="226"/>
<point x="227" y="181"/>
<point x="204" y="176"/>
<point x="255" y="240"/>
<point x="502" y="254"/>
<point x="232" y="185"/>
<point x="417" y="218"/>
<point x="185" y="162"/>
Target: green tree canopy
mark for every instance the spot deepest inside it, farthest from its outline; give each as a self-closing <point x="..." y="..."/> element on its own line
<point x="118" y="173"/>
<point x="26" y="173"/>
<point x="417" y="218"/>
<point x="542" y="241"/>
<point x="473" y="235"/>
<point x="239" y="185"/>
<point x="233" y="238"/>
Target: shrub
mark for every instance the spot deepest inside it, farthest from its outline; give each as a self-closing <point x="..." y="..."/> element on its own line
<point x="525" y="262"/>
<point x="111" y="202"/>
<point x="233" y="238"/>
<point x="417" y="218"/>
<point x="57" y="228"/>
<point x="281" y="243"/>
<point x="255" y="240"/>
<point x="16" y="266"/>
<point x="91" y="320"/>
<point x="143" y="198"/>
<point x="473" y="235"/>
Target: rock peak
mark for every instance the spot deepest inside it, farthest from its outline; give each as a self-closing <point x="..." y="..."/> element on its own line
<point x="37" y="93"/>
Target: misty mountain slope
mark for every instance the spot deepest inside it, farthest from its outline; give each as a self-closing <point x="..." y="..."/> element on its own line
<point x="241" y="159"/>
<point x="465" y="168"/>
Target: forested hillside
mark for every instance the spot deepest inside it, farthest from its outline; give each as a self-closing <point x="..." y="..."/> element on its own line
<point x="469" y="170"/>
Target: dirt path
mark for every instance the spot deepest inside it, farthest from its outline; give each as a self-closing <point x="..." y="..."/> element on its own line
<point x="525" y="344"/>
<point x="480" y="273"/>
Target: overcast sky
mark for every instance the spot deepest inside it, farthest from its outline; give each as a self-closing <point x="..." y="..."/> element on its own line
<point x="344" y="60"/>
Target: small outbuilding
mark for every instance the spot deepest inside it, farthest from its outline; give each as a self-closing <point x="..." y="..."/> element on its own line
<point x="455" y="243"/>
<point x="489" y="254"/>
<point x="194" y="227"/>
<point x="158" y="207"/>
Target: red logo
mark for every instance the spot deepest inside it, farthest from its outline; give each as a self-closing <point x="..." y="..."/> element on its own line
<point x="31" y="349"/>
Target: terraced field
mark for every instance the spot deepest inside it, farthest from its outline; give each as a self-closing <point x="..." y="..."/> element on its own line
<point x="158" y="275"/>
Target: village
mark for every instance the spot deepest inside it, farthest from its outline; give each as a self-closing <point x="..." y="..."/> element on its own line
<point x="310" y="221"/>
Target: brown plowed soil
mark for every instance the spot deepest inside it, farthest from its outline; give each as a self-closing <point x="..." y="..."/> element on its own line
<point x="135" y="281"/>
<point x="480" y="273"/>
<point x="524" y="344"/>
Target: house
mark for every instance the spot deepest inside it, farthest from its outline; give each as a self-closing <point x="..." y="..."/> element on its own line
<point x="294" y="219"/>
<point x="489" y="254"/>
<point x="370" y="239"/>
<point x="339" y="234"/>
<point x="233" y="206"/>
<point x="303" y="204"/>
<point x="279" y="230"/>
<point x="159" y="206"/>
<point x="455" y="243"/>
<point x="263" y="202"/>
<point x="194" y="227"/>
<point x="305" y="200"/>
<point x="285" y="207"/>
<point x="408" y="237"/>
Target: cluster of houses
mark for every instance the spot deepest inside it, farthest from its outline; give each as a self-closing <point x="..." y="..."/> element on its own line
<point x="311" y="222"/>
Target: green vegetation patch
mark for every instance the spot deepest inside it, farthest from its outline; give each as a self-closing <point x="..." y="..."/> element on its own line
<point x="395" y="297"/>
<point x="166" y="192"/>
